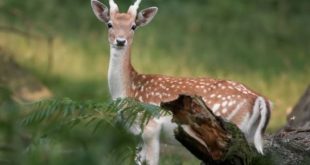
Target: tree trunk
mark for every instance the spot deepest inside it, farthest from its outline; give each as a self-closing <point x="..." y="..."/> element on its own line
<point x="299" y="118"/>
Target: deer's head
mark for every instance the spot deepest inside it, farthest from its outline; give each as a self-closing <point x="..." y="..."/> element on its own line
<point x="122" y="26"/>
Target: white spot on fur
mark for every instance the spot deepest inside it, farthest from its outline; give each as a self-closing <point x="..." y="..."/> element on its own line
<point x="142" y="88"/>
<point x="231" y="103"/>
<point x="235" y="111"/>
<point x="215" y="107"/>
<point x="231" y="82"/>
<point x="141" y="99"/>
<point x="224" y="103"/>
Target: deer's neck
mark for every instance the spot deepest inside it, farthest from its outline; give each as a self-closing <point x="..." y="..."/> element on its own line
<point x="120" y="72"/>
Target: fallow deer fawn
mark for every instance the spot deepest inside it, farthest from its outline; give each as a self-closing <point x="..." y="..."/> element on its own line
<point x="231" y="100"/>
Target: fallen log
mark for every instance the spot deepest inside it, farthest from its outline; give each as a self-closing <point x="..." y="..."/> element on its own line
<point x="208" y="137"/>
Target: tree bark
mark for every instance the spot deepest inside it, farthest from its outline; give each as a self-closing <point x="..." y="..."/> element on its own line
<point x="299" y="118"/>
<point x="287" y="148"/>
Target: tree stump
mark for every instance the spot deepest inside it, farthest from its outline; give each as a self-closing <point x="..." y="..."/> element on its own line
<point x="208" y="137"/>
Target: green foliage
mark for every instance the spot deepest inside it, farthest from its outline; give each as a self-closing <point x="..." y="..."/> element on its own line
<point x="306" y="160"/>
<point x="71" y="113"/>
<point x="4" y="94"/>
<point x="265" y="160"/>
<point x="63" y="131"/>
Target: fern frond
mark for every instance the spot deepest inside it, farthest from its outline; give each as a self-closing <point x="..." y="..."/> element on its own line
<point x="66" y="112"/>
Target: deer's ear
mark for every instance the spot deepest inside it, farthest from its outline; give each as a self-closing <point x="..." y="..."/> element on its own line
<point x="145" y="16"/>
<point x="101" y="11"/>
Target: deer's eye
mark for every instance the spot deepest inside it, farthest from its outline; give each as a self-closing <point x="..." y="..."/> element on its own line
<point x="109" y="25"/>
<point x="133" y="27"/>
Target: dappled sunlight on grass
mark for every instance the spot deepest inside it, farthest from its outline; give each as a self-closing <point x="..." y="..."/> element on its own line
<point x="69" y="59"/>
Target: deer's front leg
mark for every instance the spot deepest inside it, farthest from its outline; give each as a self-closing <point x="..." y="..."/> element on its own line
<point x="149" y="152"/>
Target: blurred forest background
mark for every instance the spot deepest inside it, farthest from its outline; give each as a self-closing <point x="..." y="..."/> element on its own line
<point x="264" y="44"/>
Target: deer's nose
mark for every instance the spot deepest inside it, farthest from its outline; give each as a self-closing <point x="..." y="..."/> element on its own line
<point x="120" y="41"/>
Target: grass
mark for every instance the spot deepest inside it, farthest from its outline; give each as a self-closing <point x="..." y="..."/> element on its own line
<point x="264" y="45"/>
